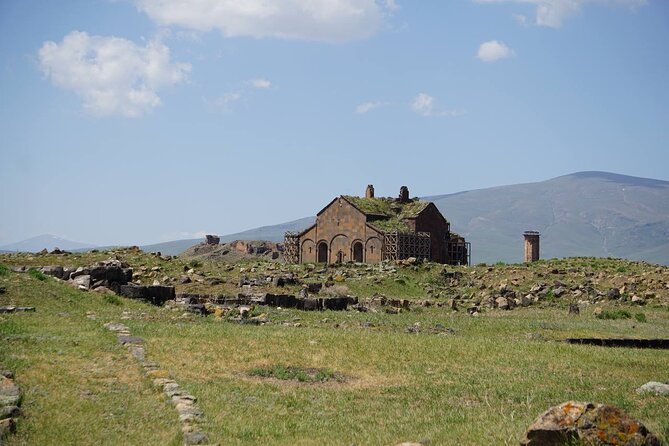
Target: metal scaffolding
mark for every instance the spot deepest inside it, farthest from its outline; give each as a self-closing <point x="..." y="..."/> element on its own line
<point x="402" y="245"/>
<point x="291" y="246"/>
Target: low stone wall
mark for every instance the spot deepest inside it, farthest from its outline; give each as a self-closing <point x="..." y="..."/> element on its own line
<point x="10" y="399"/>
<point x="269" y="299"/>
<point x="111" y="275"/>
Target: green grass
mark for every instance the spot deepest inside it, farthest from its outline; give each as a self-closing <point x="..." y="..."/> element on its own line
<point x="640" y="317"/>
<point x="37" y="274"/>
<point x="482" y="382"/>
<point x="79" y="386"/>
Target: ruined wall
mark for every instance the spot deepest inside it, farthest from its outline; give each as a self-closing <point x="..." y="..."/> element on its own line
<point x="431" y="220"/>
<point x="308" y="246"/>
<point x="373" y="246"/>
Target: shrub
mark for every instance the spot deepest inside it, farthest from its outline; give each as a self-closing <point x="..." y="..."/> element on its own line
<point x="640" y="317"/>
<point x="4" y="269"/>
<point x="195" y="264"/>
<point x="36" y="274"/>
<point x="614" y="314"/>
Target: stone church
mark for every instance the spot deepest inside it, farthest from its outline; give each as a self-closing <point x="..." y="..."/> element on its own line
<point x="371" y="229"/>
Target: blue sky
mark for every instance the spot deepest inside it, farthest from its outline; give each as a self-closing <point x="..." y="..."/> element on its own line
<point x="139" y="121"/>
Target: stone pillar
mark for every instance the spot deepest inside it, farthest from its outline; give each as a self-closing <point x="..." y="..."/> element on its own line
<point x="404" y="194"/>
<point x="369" y="192"/>
<point x="531" y="246"/>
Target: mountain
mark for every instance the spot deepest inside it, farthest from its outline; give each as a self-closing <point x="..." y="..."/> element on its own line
<point x="50" y="242"/>
<point x="582" y="214"/>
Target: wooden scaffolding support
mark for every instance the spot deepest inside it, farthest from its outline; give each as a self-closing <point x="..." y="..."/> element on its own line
<point x="459" y="251"/>
<point x="291" y="247"/>
<point x="402" y="245"/>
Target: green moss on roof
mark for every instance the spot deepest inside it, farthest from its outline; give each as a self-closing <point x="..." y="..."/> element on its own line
<point x="395" y="213"/>
<point x="391" y="225"/>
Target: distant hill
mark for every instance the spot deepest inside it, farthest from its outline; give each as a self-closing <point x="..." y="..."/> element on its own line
<point x="272" y="233"/>
<point x="48" y="241"/>
<point x="582" y="214"/>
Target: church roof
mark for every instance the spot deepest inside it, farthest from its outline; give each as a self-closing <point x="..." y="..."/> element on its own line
<point x="388" y="214"/>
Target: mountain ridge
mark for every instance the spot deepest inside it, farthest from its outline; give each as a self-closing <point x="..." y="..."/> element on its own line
<point x="588" y="213"/>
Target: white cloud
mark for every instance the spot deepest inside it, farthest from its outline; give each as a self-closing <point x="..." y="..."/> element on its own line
<point x="321" y="20"/>
<point x="224" y="103"/>
<point x="369" y="106"/>
<point x="113" y="76"/>
<point x="520" y="19"/>
<point x="260" y="83"/>
<point x="493" y="50"/>
<point x="425" y="105"/>
<point x="553" y="12"/>
<point x="392" y="5"/>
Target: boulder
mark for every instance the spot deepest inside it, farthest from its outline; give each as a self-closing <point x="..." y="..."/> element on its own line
<point x="655" y="388"/>
<point x="54" y="271"/>
<point x="638" y="300"/>
<point x="594" y="424"/>
<point x="81" y="271"/>
<point x="502" y="303"/>
<point x="83" y="281"/>
<point x="559" y="291"/>
<point x="613" y="293"/>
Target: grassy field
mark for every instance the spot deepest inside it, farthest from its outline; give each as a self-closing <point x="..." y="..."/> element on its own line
<point x="422" y="375"/>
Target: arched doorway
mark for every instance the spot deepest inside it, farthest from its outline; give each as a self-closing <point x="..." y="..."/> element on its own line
<point x="322" y="252"/>
<point x="357" y="252"/>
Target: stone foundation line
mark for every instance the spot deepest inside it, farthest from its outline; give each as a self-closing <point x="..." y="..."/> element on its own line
<point x="10" y="399"/>
<point x="190" y="415"/>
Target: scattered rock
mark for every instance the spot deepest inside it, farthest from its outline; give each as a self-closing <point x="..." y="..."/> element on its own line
<point x="573" y="309"/>
<point x="196" y="437"/>
<point x="589" y="423"/>
<point x="655" y="388"/>
<point x="613" y="293"/>
<point x="638" y="300"/>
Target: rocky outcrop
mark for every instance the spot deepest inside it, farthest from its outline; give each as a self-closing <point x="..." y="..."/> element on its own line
<point x="594" y="424"/>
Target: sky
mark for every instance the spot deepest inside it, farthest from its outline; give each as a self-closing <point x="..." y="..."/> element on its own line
<point x="142" y="121"/>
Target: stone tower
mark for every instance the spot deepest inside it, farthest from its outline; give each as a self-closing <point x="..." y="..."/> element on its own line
<point x="369" y="192"/>
<point x="531" y="246"/>
<point x="404" y="194"/>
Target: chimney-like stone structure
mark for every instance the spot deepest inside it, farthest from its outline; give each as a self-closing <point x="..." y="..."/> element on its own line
<point x="213" y="239"/>
<point x="531" y="246"/>
<point x="369" y="192"/>
<point x="404" y="194"/>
